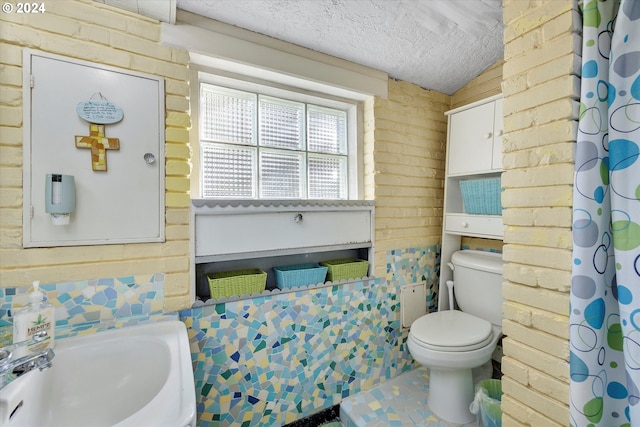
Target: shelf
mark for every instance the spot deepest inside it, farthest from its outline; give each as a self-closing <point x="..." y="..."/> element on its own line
<point x="280" y="252"/>
<point x="474" y="151"/>
<point x="453" y="195"/>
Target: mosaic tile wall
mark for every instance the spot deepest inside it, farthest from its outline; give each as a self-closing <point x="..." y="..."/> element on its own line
<point x="275" y="359"/>
<point x="81" y="304"/>
<point x="264" y="361"/>
<point x="414" y="265"/>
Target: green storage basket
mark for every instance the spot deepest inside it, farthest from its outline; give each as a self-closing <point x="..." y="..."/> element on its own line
<point x="237" y="282"/>
<point x="291" y="276"/>
<point x="347" y="268"/>
<point x="482" y="196"/>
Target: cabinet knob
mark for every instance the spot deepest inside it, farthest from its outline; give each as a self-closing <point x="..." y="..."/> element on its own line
<point x="149" y="158"/>
<point x="500" y="133"/>
<point x="298" y="218"/>
<point x="487" y="135"/>
<point x="464" y="224"/>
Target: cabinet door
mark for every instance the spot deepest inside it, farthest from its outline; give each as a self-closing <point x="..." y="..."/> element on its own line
<point x="498" y="130"/>
<point x="471" y="140"/>
<point x="271" y="231"/>
<point x="123" y="204"/>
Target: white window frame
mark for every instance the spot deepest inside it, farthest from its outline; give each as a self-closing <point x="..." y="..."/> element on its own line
<point x="354" y="109"/>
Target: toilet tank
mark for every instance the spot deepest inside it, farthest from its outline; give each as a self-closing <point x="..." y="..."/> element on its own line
<point x="477" y="278"/>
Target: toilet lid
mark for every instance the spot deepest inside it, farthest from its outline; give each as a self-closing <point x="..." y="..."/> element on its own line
<point x="452" y="330"/>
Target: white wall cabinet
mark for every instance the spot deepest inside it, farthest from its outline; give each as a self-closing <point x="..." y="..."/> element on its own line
<point x="244" y="233"/>
<point x="474" y="151"/>
<point x="125" y="202"/>
<point x="475" y="139"/>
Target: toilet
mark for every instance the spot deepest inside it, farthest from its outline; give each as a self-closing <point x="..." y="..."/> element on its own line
<point x="453" y="342"/>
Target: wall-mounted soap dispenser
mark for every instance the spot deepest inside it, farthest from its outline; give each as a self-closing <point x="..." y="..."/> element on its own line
<point x="60" y="197"/>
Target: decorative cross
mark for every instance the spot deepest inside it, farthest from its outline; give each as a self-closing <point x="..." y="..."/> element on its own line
<point x="98" y="144"/>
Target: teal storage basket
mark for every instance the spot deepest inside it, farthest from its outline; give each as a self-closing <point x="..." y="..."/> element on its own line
<point x="290" y="276"/>
<point x="482" y="196"/>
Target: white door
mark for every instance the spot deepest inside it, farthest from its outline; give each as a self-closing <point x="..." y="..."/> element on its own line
<point x="123" y="204"/>
<point x="471" y="140"/>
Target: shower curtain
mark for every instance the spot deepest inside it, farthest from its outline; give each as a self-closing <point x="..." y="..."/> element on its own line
<point x="605" y="285"/>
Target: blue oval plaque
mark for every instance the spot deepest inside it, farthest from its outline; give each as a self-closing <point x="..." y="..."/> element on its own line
<point x="100" y="112"/>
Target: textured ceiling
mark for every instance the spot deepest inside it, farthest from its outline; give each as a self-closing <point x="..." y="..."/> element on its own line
<point x="436" y="44"/>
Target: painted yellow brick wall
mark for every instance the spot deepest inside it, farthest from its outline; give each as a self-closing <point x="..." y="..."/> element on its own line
<point x="405" y="138"/>
<point x="540" y="88"/>
<point x="94" y="32"/>
<point x="487" y="84"/>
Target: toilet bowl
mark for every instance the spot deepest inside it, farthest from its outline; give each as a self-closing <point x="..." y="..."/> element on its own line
<point x="453" y="342"/>
<point x="451" y="387"/>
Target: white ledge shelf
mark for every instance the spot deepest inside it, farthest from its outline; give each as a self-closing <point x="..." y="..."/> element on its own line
<point x="262" y="204"/>
<point x="277" y="291"/>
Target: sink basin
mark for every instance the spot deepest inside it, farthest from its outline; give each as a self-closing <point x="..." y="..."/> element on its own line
<point x="133" y="376"/>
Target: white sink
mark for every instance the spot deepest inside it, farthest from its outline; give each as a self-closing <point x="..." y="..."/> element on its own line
<point x="129" y="377"/>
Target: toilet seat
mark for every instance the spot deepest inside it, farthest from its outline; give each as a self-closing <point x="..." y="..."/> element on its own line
<point x="451" y="330"/>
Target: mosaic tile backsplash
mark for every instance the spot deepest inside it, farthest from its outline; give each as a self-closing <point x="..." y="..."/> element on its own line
<point x="83" y="303"/>
<point x="275" y="359"/>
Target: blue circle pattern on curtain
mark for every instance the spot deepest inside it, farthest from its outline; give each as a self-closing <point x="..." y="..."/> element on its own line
<point x="605" y="286"/>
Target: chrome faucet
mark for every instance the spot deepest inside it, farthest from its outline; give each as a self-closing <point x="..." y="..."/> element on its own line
<point x="10" y="368"/>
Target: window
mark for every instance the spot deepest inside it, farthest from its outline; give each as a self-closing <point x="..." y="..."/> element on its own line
<point x="259" y="146"/>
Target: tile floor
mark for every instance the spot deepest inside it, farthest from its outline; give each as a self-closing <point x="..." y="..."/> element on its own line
<point x="401" y="401"/>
